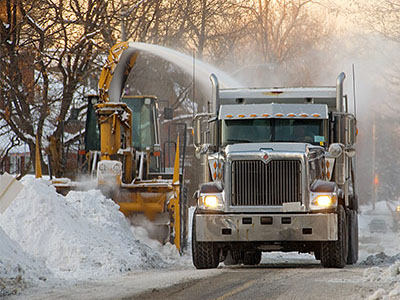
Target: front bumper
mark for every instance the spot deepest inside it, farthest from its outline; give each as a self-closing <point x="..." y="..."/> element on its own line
<point x="266" y="227"/>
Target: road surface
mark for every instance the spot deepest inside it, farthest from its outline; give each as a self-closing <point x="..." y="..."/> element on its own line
<point x="272" y="281"/>
<point x="285" y="277"/>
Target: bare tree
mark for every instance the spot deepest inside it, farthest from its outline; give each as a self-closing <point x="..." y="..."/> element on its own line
<point x="47" y="61"/>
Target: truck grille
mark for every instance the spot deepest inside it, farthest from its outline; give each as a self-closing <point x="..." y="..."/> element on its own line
<point x="255" y="183"/>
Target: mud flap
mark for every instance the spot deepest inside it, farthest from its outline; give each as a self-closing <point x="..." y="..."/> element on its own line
<point x="9" y="190"/>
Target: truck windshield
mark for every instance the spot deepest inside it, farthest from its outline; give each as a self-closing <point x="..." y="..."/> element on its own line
<point x="272" y="130"/>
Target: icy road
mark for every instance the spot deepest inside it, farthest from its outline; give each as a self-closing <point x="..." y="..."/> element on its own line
<point x="81" y="247"/>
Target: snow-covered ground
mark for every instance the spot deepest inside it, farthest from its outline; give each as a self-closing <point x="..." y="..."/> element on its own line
<point x="83" y="236"/>
<point x="50" y="240"/>
<point x="380" y="250"/>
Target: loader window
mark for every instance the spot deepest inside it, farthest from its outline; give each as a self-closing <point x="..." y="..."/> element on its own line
<point x="143" y="129"/>
<point x="272" y="130"/>
<point x="92" y="132"/>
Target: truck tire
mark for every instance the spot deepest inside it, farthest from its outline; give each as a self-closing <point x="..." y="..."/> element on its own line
<point x="205" y="255"/>
<point x="353" y="237"/>
<point x="252" y="258"/>
<point x="317" y="254"/>
<point x="334" y="254"/>
<point x="232" y="258"/>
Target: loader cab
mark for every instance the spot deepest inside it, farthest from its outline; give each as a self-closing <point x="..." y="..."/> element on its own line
<point x="145" y="127"/>
<point x="145" y="132"/>
<point x="92" y="131"/>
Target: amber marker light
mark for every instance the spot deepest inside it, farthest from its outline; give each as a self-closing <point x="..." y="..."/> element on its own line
<point x="241" y="116"/>
<point x="316" y="115"/>
<point x="291" y="115"/>
<point x="228" y="116"/>
<point x="279" y="115"/>
<point x="253" y="115"/>
<point x="304" y="115"/>
<point x="265" y="115"/>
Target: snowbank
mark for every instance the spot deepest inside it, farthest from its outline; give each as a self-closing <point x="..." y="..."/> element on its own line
<point x="17" y="268"/>
<point x="80" y="236"/>
<point x="389" y="275"/>
<point x="381" y="250"/>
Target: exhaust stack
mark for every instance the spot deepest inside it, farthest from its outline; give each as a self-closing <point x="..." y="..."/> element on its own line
<point x="339" y="92"/>
<point x="215" y="93"/>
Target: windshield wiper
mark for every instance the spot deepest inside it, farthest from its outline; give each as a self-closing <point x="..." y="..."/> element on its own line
<point x="239" y="141"/>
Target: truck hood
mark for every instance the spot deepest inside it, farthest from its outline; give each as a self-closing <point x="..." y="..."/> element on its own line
<point x="276" y="147"/>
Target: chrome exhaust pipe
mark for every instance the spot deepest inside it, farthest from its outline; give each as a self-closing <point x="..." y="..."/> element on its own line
<point x="215" y="94"/>
<point x="339" y="92"/>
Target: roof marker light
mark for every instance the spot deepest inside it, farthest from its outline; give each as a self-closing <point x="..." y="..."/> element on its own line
<point x="228" y="116"/>
<point x="291" y="115"/>
<point x="253" y="115"/>
<point x="304" y="115"/>
<point x="316" y="115"/>
<point x="241" y="116"/>
<point x="265" y="115"/>
<point x="279" y="115"/>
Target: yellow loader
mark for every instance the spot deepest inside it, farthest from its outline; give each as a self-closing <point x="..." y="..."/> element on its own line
<point x="123" y="152"/>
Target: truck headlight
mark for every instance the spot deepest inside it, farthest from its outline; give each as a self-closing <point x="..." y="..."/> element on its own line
<point x="211" y="201"/>
<point x="323" y="200"/>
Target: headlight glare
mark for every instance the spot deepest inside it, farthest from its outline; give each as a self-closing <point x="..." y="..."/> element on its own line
<point x="211" y="201"/>
<point x="324" y="201"/>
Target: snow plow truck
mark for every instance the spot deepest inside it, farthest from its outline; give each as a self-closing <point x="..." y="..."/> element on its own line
<point x="279" y="175"/>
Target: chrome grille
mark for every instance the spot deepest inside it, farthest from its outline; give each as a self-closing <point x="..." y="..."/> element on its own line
<point x="255" y="183"/>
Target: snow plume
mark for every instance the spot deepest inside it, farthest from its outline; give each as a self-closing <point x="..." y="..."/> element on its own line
<point x="80" y="236"/>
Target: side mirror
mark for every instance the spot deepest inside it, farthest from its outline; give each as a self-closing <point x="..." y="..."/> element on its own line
<point x="200" y="130"/>
<point x="335" y="150"/>
<point x="350" y="152"/>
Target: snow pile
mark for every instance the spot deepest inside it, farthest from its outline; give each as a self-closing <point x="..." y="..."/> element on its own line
<point x="380" y="259"/>
<point x="168" y="252"/>
<point x="16" y="267"/>
<point x="80" y="236"/>
<point x="390" y="275"/>
<point x="381" y="250"/>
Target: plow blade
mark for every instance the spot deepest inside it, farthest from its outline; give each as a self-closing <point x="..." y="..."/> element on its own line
<point x="158" y="204"/>
<point x="9" y="190"/>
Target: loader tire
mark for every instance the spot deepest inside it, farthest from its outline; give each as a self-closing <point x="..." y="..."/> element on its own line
<point x="353" y="237"/>
<point x="334" y="254"/>
<point x="252" y="258"/>
<point x="205" y="255"/>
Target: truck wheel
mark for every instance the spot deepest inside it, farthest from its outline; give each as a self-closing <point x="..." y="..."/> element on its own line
<point x="204" y="254"/>
<point x="317" y="254"/>
<point x="353" y="237"/>
<point x="232" y="258"/>
<point x="334" y="254"/>
<point x="252" y="258"/>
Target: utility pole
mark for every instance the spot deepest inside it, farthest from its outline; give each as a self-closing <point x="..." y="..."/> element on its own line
<point x="374" y="175"/>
